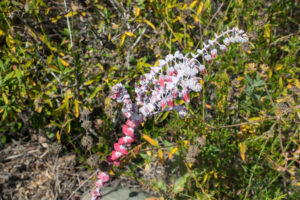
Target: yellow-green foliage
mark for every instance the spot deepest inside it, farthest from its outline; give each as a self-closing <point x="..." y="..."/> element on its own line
<point x="241" y="140"/>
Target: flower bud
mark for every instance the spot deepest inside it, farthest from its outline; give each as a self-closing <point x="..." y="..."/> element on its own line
<point x="214" y="53"/>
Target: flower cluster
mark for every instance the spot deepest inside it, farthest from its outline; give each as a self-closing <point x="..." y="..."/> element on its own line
<point x="174" y="78"/>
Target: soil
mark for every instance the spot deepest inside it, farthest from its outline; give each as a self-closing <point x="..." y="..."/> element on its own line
<point x="31" y="170"/>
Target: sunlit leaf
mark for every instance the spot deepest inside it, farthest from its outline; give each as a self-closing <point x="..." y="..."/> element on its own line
<point x="76" y="108"/>
<point x="200" y="7"/>
<point x="193" y="4"/>
<point x="64" y="63"/>
<point x="280" y="83"/>
<point x="150" y="24"/>
<point x="5" y="98"/>
<point x="130" y="34"/>
<point x="137" y="11"/>
<point x="70" y="14"/>
<point x="161" y="156"/>
<point x="58" y="136"/>
<point x="122" y="39"/>
<point x="150" y="140"/>
<point x="278" y="67"/>
<point x="242" y="147"/>
<point x="172" y="152"/>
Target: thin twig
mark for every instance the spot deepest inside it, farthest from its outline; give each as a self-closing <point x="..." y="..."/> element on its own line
<point x="84" y="182"/>
<point x="68" y="23"/>
<point x="174" y="34"/>
<point x="139" y="38"/>
<point x="197" y="183"/>
<point x="284" y="38"/>
<point x="266" y="88"/>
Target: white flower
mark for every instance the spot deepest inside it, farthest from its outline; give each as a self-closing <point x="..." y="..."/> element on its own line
<point x="200" y="51"/>
<point x="207" y="57"/>
<point x="169" y="57"/>
<point x="150" y="108"/>
<point x="223" y="47"/>
<point x="191" y="71"/>
<point x="201" y="67"/>
<point x="143" y="111"/>
<point x="178" y="55"/>
<point x="161" y="63"/>
<point x="232" y="39"/>
<point x="194" y="55"/>
<point x="148" y="76"/>
<point x="155" y="70"/>
<point x="169" y="84"/>
<point x="226" y="41"/>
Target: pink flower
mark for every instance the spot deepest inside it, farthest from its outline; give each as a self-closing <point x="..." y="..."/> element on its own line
<point x="96" y="193"/>
<point x="162" y="81"/>
<point x="170" y="71"/>
<point x="121" y="148"/>
<point x="103" y="176"/>
<point x="170" y="102"/>
<point x="163" y="104"/>
<point x="114" y="96"/>
<point x="116" y="155"/>
<point x="128" y="131"/>
<point x="99" y="183"/>
<point x="125" y="140"/>
<point x="168" y="79"/>
<point x="174" y="92"/>
<point x="186" y="97"/>
<point x="131" y="123"/>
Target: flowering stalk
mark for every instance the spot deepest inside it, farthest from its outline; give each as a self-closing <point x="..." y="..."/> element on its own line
<point x="174" y="78"/>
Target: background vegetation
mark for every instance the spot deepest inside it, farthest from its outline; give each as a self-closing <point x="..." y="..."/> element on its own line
<point x="241" y="139"/>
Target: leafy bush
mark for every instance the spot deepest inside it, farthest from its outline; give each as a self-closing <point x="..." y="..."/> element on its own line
<point x="242" y="138"/>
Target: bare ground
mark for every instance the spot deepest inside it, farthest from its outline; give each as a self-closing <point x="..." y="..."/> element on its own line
<point x="33" y="170"/>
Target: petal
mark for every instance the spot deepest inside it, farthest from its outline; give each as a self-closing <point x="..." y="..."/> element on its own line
<point x="99" y="184"/>
<point x="131" y="123"/>
<point x="116" y="155"/>
<point x="103" y="176"/>
<point x="186" y="97"/>
<point x="120" y="148"/>
<point x="128" y="131"/>
<point x="170" y="102"/>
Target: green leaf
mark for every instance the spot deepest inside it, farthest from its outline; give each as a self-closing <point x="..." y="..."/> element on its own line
<point x="162" y="116"/>
<point x="179" y="184"/>
<point x="3" y="139"/>
<point x="95" y="92"/>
